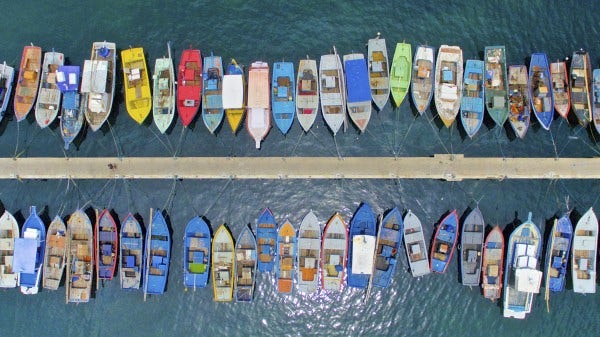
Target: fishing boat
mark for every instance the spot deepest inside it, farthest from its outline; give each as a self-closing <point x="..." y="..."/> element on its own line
<point x="444" y="242"/>
<point x="414" y="243"/>
<point x="557" y="254"/>
<point x="472" y="102"/>
<point x="163" y="92"/>
<point x="307" y="93"/>
<point x="362" y="247"/>
<point x="80" y="258"/>
<point x="585" y="252"/>
<point x="131" y="253"/>
<point x="138" y="99"/>
<point x="258" y="121"/>
<point x="7" y="74"/>
<point x="71" y="117"/>
<point x="9" y="231"/>
<point x="560" y="88"/>
<point x="55" y="255"/>
<point x="471" y="247"/>
<point x="29" y="79"/>
<point x="245" y="266"/>
<point x="266" y="234"/>
<point x="522" y="278"/>
<point x="389" y="238"/>
<point x="334" y="253"/>
<point x="495" y="84"/>
<point x="332" y="91"/>
<point x="157" y="255"/>
<point x="48" y="97"/>
<point x="29" y="253"/>
<point x="107" y="244"/>
<point x="519" y="108"/>
<point x="379" y="71"/>
<point x="423" y="72"/>
<point x="189" y="85"/>
<point x="222" y="265"/>
<point x="596" y="100"/>
<point x="358" y="92"/>
<point x="540" y="89"/>
<point x="287" y="249"/>
<point x="282" y="97"/>
<point x="309" y="253"/>
<point x="212" y="92"/>
<point x="98" y="83"/>
<point x="448" y="83"/>
<point x="581" y="77"/>
<point x="401" y="72"/>
<point x="196" y="253"/>
<point x="233" y="95"/>
<point x="493" y="264"/>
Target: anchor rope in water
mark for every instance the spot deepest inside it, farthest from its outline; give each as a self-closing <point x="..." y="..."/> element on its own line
<point x="169" y="202"/>
<point x="337" y="149"/>
<point x="180" y="142"/>
<point x="188" y="198"/>
<point x="157" y="137"/>
<point x="401" y="143"/>
<point x="297" y="143"/>
<point x="114" y="137"/>
<point x="320" y="142"/>
<point x="218" y="195"/>
<point x="497" y="136"/>
<point x="112" y="194"/>
<point x="27" y="144"/>
<point x="436" y="133"/>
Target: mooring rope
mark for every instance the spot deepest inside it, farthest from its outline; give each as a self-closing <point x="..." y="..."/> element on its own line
<point x="169" y="202"/>
<point x="114" y="137"/>
<point x="218" y="196"/>
<point x="180" y="142"/>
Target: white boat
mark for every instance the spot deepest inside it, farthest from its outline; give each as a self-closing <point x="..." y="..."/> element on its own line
<point x="333" y="91"/>
<point x="54" y="258"/>
<point x="7" y="75"/>
<point x="9" y="231"/>
<point x="258" y="121"/>
<point x="309" y="253"/>
<point x="163" y="92"/>
<point x="307" y="93"/>
<point x="223" y="257"/>
<point x="416" y="248"/>
<point x="80" y="258"/>
<point x="585" y="248"/>
<point x="379" y="71"/>
<point x="421" y="87"/>
<point x="334" y="252"/>
<point x="448" y="83"/>
<point x="48" y="98"/>
<point x="358" y="98"/>
<point x="98" y="84"/>
<point x="233" y="95"/>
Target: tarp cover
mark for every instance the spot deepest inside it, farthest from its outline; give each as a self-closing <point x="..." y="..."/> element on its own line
<point x="363" y="249"/>
<point x="357" y="81"/>
<point x="24" y="258"/>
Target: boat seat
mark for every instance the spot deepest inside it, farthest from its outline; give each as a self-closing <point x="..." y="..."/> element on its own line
<point x="106" y="236"/>
<point x="265" y="249"/>
<point x="198" y="257"/>
<point x="447" y="76"/>
<point x="106" y="249"/>
<point x="583" y="264"/>
<point x="30" y="75"/>
<point x="309" y="262"/>
<point x="157" y="260"/>
<point x="556" y="261"/>
<point x="377" y="66"/>
<point x="329" y="81"/>
<point x="332" y="270"/>
<point x="386" y="251"/>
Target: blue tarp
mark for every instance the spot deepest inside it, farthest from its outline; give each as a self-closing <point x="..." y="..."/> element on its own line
<point x="24" y="258"/>
<point x="70" y="80"/>
<point x="357" y="81"/>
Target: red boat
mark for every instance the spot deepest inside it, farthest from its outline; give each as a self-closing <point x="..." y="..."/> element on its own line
<point x="189" y="87"/>
<point x="106" y="245"/>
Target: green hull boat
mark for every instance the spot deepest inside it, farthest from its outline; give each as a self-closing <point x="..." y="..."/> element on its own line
<point x="401" y="72"/>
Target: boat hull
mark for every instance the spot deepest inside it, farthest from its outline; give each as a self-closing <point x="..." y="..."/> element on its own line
<point x="107" y="246"/>
<point x="189" y="85"/>
<point x="596" y="100"/>
<point x="163" y="93"/>
<point x="448" y="83"/>
<point x="471" y="247"/>
<point x="196" y="253"/>
<point x="422" y="79"/>
<point x="245" y="266"/>
<point x="283" y="95"/>
<point x="98" y="84"/>
<point x="9" y="231"/>
<point x="30" y="247"/>
<point x="266" y="235"/>
<point x="332" y="89"/>
<point x="27" y="84"/>
<point x="580" y="85"/>
<point x="307" y="93"/>
<point x="47" y="105"/>
<point x="157" y="255"/>
<point x="557" y="253"/>
<point x="55" y="255"/>
<point x="309" y="254"/>
<point x="520" y="110"/>
<point x="472" y="103"/>
<point x="401" y="72"/>
<point x="222" y="265"/>
<point x="379" y="74"/>
<point x="287" y="247"/>
<point x="560" y="87"/>
<point x="496" y="84"/>
<point x="7" y="75"/>
<point x="415" y="245"/>
<point x="444" y="243"/>
<point x="389" y="238"/>
<point x="233" y="95"/>
<point x="258" y="121"/>
<point x="493" y="264"/>
<point x="584" y="254"/>
<point x="362" y="247"/>
<point x="212" y="93"/>
<point x="80" y="258"/>
<point x="334" y="254"/>
<point x="131" y="253"/>
<point x="540" y="89"/>
<point x="358" y="92"/>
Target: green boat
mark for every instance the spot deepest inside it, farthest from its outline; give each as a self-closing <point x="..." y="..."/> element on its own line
<point x="496" y="85"/>
<point x="401" y="72"/>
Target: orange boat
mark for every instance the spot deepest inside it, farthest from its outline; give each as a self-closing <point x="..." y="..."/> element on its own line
<point x="29" y="78"/>
<point x="560" y="88"/>
<point x="286" y="257"/>
<point x="189" y="85"/>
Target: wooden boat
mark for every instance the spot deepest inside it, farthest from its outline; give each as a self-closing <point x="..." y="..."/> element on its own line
<point x="189" y="85"/>
<point x="472" y="102"/>
<point x="107" y="244"/>
<point x="287" y="248"/>
<point x="358" y="97"/>
<point x="233" y="95"/>
<point x="48" y="97"/>
<point x="379" y="71"/>
<point x="416" y="248"/>
<point x="212" y="92"/>
<point x="71" y="117"/>
<point x="196" y="253"/>
<point x="581" y="77"/>
<point x="163" y="92"/>
<point x="9" y="231"/>
<point x="332" y="89"/>
<point x="560" y="88"/>
<point x="540" y="89"/>
<point x="495" y="84"/>
<point x="222" y="265"/>
<point x="29" y="79"/>
<point x="423" y="73"/>
<point x="522" y="278"/>
<point x="266" y="235"/>
<point x="307" y="93"/>
<point x="131" y="253"/>
<point x="245" y="266"/>
<point x="585" y="252"/>
<point x="389" y="238"/>
<point x="362" y="247"/>
<point x="444" y="243"/>
<point x="557" y="254"/>
<point x="596" y="100"/>
<point x="309" y="254"/>
<point x="157" y="255"/>
<point x="493" y="264"/>
<point x="258" y="121"/>
<point x="471" y="247"/>
<point x="98" y="83"/>
<point x="282" y="97"/>
<point x="519" y="108"/>
<point x="29" y="253"/>
<point x="55" y="255"/>
<point x="7" y="74"/>
<point x="334" y="253"/>
<point x="138" y="98"/>
<point x="80" y="258"/>
<point x="401" y="72"/>
<point x="448" y="83"/>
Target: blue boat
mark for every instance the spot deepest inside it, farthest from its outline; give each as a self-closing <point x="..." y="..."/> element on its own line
<point x="132" y="253"/>
<point x="362" y="247"/>
<point x="212" y="92"/>
<point x="266" y="234"/>
<point x="389" y="238"/>
<point x="540" y="89"/>
<point x="444" y="243"/>
<point x="71" y="119"/>
<point x="196" y="253"/>
<point x="472" y="103"/>
<point x="29" y="253"/>
<point x="557" y="253"/>
<point x="358" y="90"/>
<point x="282" y="99"/>
<point x="157" y="255"/>
<point x="245" y="266"/>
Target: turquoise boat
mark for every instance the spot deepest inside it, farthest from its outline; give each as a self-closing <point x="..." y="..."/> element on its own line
<point x="266" y="234"/>
<point x="196" y="253"/>
<point x="444" y="243"/>
<point x="157" y="255"/>
<point x="540" y="89"/>
<point x="362" y="247"/>
<point x="389" y="238"/>
<point x="472" y="103"/>
<point x="29" y="253"/>
<point x="212" y="92"/>
<point x="245" y="266"/>
<point x="496" y="84"/>
<point x="282" y="98"/>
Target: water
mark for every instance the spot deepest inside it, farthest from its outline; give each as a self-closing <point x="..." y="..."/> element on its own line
<point x="432" y="305"/>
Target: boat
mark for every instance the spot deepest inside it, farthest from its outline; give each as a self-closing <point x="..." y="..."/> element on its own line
<point x="471" y="247"/>
<point x="222" y="265"/>
<point x="560" y="88"/>
<point x="212" y="92"/>
<point x="138" y="99"/>
<point x="9" y="231"/>
<point x="48" y="96"/>
<point x="189" y="85"/>
<point x="266" y="235"/>
<point x="71" y="117"/>
<point x="379" y="71"/>
<point x="401" y="72"/>
<point x="540" y="89"/>
<point x="522" y="278"/>
<point x="557" y="254"/>
<point x="414" y="243"/>
<point x="332" y="90"/>
<point x="389" y="238"/>
<point x="107" y="245"/>
<point x="309" y="254"/>
<point x="163" y="92"/>
<point x="7" y="74"/>
<point x="131" y="253"/>
<point x="196" y="253"/>
<point x="55" y="255"/>
<point x="448" y="83"/>
<point x="29" y="253"/>
<point x="282" y="97"/>
<point x="233" y="95"/>
<point x="519" y="108"/>
<point x="495" y="84"/>
<point x="362" y="247"/>
<point x="307" y="93"/>
<point x="98" y="83"/>
<point x="80" y="258"/>
<point x="492" y="264"/>
<point x="29" y="79"/>
<point x="472" y="104"/>
<point x="585" y="252"/>
<point x="358" y="98"/>
<point x="258" y="121"/>
<point x="287" y="248"/>
<point x="334" y="254"/>
<point x="581" y="77"/>
<point x="157" y="255"/>
<point x="444" y="242"/>
<point x="596" y="100"/>
<point x="423" y="72"/>
<point x="245" y="266"/>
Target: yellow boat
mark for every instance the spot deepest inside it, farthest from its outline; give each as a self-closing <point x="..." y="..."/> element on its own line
<point x="222" y="265"/>
<point x="233" y="95"/>
<point x="137" y="86"/>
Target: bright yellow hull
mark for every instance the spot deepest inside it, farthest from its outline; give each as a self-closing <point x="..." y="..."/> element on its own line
<point x="138" y="98"/>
